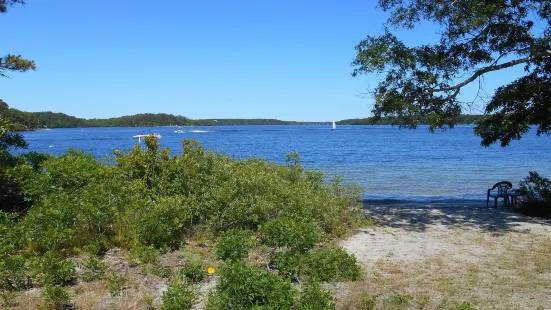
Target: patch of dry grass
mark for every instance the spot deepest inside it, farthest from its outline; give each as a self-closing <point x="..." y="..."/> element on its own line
<point x="515" y="273"/>
<point x="30" y="300"/>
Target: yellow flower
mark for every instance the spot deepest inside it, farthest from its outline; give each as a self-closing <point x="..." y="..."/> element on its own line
<point x="210" y="270"/>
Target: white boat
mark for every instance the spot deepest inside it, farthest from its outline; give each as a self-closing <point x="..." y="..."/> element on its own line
<point x="179" y="131"/>
<point x="334" y="126"/>
<point x="140" y="137"/>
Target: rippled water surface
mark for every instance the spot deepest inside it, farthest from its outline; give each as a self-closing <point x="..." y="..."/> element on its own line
<point x="390" y="163"/>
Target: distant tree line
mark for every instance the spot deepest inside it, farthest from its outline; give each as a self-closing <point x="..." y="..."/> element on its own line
<point x="35" y="120"/>
<point x="250" y="121"/>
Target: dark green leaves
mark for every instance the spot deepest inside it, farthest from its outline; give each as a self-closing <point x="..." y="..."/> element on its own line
<point x="5" y="3"/>
<point x="15" y="63"/>
<point x="423" y="83"/>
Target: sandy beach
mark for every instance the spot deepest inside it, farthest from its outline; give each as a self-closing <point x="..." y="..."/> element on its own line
<point x="444" y="255"/>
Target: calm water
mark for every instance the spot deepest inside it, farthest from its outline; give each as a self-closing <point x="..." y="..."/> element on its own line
<point x="390" y="163"/>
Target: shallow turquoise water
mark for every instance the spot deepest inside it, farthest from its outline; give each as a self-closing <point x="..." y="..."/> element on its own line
<point x="390" y="163"/>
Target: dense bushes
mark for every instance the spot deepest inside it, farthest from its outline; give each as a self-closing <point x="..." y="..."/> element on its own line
<point x="298" y="236"/>
<point x="234" y="245"/>
<point x="149" y="202"/>
<point x="242" y="286"/>
<point x="537" y="191"/>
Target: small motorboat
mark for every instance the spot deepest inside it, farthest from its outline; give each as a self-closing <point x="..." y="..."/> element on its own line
<point x="140" y="137"/>
<point x="179" y="131"/>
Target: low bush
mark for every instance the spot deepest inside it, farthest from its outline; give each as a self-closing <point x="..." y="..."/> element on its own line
<point x="234" y="245"/>
<point x="161" y="223"/>
<point x="242" y="286"/>
<point x="397" y="301"/>
<point x="93" y="269"/>
<point x="367" y="302"/>
<point x="10" y="240"/>
<point x="290" y="264"/>
<point x="52" y="270"/>
<point x="8" y="299"/>
<point x="144" y="255"/>
<point x="314" y="297"/>
<point x="13" y="274"/>
<point x="162" y="272"/>
<point x="194" y="271"/>
<point x="296" y="235"/>
<point x="56" y="297"/>
<point x="115" y="283"/>
<point x="537" y="190"/>
<point x="179" y="297"/>
<point x="465" y="305"/>
<point x="332" y="264"/>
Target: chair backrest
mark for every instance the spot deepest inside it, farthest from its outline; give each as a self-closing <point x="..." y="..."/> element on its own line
<point x="502" y="187"/>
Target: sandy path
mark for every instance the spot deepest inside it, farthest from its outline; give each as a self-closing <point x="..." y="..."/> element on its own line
<point x="410" y="233"/>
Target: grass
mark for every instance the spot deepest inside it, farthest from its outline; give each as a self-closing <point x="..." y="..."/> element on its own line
<point x="515" y="275"/>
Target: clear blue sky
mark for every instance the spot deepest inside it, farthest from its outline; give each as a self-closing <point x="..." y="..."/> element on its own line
<point x="202" y="59"/>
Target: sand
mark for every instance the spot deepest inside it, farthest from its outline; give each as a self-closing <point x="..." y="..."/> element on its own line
<point x="488" y="256"/>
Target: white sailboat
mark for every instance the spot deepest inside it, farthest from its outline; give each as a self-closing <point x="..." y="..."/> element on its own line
<point x="334" y="126"/>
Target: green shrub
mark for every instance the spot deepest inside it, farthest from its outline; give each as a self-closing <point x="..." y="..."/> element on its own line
<point x="289" y="264"/>
<point x="367" y="302"/>
<point x="313" y="297"/>
<point x="538" y="195"/>
<point x="7" y="299"/>
<point x="98" y="247"/>
<point x="397" y="301"/>
<point x="465" y="305"/>
<point x="9" y="231"/>
<point x="234" y="245"/>
<point x="149" y="300"/>
<point x="162" y="272"/>
<point x="115" y="283"/>
<point x="242" y="286"/>
<point x="48" y="225"/>
<point x="56" y="296"/>
<point x="194" y="271"/>
<point x="161" y="224"/>
<point x="144" y="255"/>
<point x="332" y="264"/>
<point x="148" y="198"/>
<point x="179" y="297"/>
<point x="52" y="270"/>
<point x="296" y="235"/>
<point x="13" y="274"/>
<point x="94" y="269"/>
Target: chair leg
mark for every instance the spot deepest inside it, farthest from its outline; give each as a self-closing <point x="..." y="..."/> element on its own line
<point x="487" y="201"/>
<point x="495" y="202"/>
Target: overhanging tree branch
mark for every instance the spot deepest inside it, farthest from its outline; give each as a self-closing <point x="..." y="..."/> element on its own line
<point x="490" y="69"/>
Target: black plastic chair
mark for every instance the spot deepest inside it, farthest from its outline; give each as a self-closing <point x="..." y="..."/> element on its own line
<point x="499" y="191"/>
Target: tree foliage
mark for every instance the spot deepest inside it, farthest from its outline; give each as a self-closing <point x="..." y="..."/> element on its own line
<point x="5" y="3"/>
<point x="13" y="62"/>
<point x="465" y="119"/>
<point x="476" y="37"/>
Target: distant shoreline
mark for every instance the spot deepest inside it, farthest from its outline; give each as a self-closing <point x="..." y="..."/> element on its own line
<point x="29" y="121"/>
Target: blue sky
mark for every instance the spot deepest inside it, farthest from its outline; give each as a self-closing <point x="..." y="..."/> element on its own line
<point x="202" y="59"/>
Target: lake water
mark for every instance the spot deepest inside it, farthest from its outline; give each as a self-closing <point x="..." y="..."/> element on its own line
<point x="392" y="164"/>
